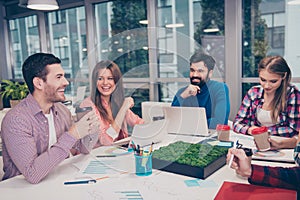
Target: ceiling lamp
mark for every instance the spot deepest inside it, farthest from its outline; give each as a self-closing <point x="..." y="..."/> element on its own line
<point x="212" y="28"/>
<point x="143" y="21"/>
<point x="177" y="25"/>
<point x="42" y="4"/>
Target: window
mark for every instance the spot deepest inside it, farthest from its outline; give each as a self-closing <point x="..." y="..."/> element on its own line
<point x="271" y="29"/>
<point x="183" y="29"/>
<point x="25" y="39"/>
<point x="68" y="42"/>
<point x="123" y="38"/>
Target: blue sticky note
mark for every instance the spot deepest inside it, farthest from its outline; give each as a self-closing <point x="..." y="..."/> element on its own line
<point x="191" y="183"/>
<point x="225" y="144"/>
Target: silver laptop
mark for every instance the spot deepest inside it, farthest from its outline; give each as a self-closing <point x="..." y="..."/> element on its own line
<point x="152" y="111"/>
<point x="148" y="133"/>
<point x="186" y="121"/>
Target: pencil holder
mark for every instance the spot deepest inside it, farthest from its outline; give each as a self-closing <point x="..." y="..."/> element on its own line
<point x="143" y="165"/>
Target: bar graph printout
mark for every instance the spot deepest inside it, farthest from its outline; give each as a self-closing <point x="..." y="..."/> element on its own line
<point x="98" y="167"/>
<point x="125" y="195"/>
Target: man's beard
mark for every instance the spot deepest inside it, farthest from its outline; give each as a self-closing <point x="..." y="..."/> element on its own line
<point x="52" y="95"/>
<point x="200" y="83"/>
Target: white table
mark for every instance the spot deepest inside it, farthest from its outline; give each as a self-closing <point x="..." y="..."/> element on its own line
<point x="159" y="185"/>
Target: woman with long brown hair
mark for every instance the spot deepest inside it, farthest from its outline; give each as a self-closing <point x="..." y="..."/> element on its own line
<point x="274" y="104"/>
<point x="108" y="100"/>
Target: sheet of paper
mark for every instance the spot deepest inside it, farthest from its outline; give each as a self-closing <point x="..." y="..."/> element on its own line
<point x="99" y="168"/>
<point x="283" y="155"/>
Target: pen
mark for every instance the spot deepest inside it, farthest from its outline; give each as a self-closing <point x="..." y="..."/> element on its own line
<point x="104" y="156"/>
<point x="151" y="147"/>
<point x="80" y="182"/>
<point x="232" y="156"/>
<point x="138" y="150"/>
<point x="133" y="145"/>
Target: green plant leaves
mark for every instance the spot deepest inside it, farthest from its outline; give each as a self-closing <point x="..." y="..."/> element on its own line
<point x="13" y="90"/>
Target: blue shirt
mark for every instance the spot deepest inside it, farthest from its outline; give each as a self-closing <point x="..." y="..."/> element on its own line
<point x="214" y="97"/>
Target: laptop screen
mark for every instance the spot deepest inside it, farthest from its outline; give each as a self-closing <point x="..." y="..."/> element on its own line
<point x="186" y="120"/>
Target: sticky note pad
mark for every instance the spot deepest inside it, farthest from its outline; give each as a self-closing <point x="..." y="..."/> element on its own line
<point x="191" y="183"/>
<point x="213" y="143"/>
<point x="225" y="144"/>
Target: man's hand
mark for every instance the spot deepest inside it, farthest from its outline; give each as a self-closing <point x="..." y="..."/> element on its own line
<point x="191" y="90"/>
<point x="241" y="163"/>
<point x="88" y="124"/>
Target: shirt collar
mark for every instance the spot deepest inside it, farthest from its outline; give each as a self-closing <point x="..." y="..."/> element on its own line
<point x="35" y="107"/>
<point x="260" y="92"/>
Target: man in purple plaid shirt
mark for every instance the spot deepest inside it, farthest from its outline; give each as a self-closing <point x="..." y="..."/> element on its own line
<point x="274" y="104"/>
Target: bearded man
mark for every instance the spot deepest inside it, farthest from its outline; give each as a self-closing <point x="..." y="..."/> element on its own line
<point x="204" y="92"/>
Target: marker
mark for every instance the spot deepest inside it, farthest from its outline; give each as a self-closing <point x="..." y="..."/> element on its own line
<point x="232" y="156"/>
<point x="80" y="182"/>
<point x="141" y="151"/>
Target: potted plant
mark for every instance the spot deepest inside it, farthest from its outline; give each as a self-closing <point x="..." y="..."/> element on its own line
<point x="14" y="91"/>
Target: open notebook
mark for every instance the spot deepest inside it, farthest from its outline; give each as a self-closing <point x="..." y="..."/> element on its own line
<point x="186" y="121"/>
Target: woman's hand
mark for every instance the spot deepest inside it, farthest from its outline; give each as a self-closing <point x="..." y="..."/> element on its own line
<point x="251" y="129"/>
<point x="284" y="143"/>
<point x="128" y="103"/>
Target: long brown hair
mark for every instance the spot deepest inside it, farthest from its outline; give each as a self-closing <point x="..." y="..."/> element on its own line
<point x="277" y="65"/>
<point x="117" y="97"/>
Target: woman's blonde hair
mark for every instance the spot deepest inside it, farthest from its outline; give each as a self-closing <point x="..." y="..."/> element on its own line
<point x="277" y="65"/>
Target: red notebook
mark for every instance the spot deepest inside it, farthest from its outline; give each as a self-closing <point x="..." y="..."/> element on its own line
<point x="240" y="191"/>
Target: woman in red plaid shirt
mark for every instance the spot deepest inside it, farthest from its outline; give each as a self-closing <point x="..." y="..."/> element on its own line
<point x="274" y="104"/>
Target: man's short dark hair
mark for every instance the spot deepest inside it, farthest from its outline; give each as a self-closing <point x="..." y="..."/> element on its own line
<point x="35" y="66"/>
<point x="208" y="60"/>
